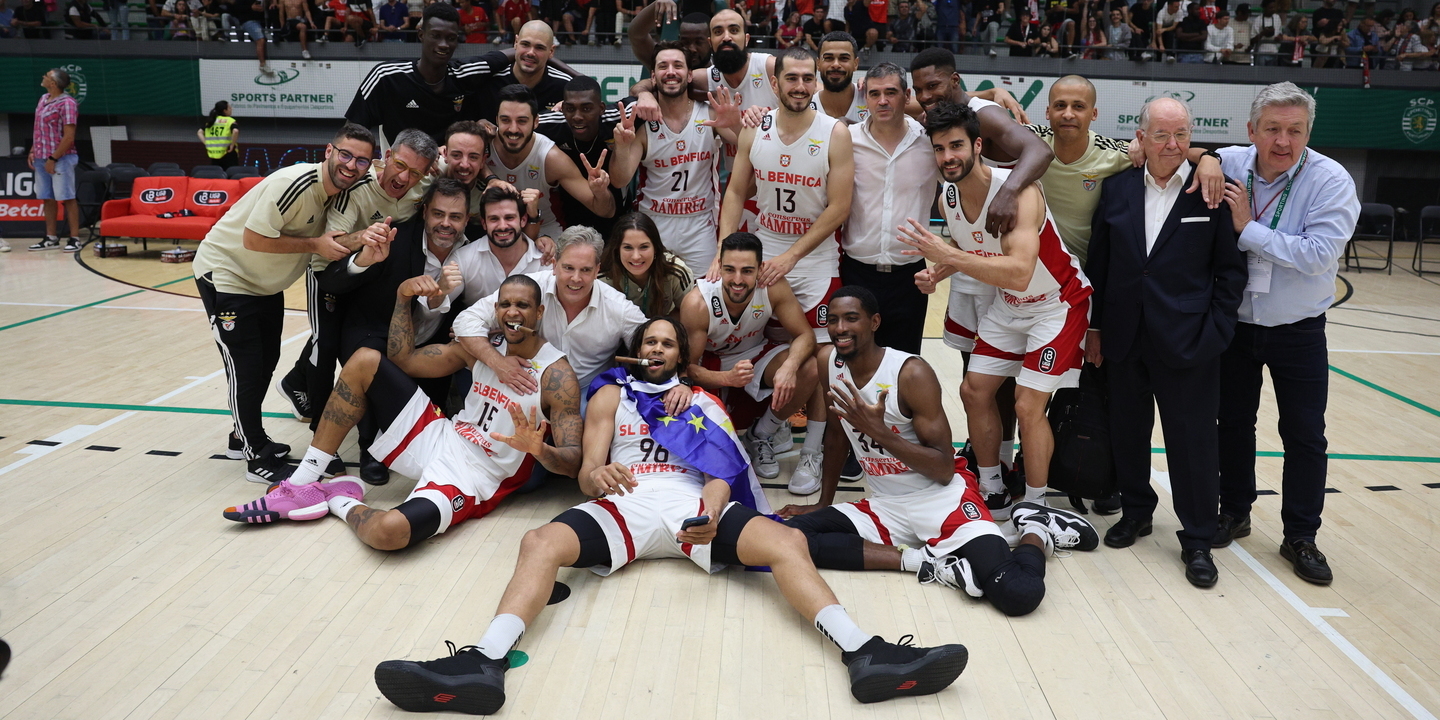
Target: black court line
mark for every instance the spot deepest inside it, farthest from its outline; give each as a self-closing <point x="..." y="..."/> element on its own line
<point x="1266" y="492"/>
<point x="778" y="486"/>
<point x="46" y="443"/>
<point x="1433" y="486"/>
<point x="1332" y="490"/>
<point x="163" y="453"/>
<point x="1381" y="488"/>
<point x="102" y="448"/>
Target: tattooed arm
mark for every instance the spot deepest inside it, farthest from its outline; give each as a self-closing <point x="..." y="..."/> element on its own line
<point x="438" y="360"/>
<point x="560" y="398"/>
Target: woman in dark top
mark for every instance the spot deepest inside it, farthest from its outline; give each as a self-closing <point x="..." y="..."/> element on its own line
<point x="636" y="263"/>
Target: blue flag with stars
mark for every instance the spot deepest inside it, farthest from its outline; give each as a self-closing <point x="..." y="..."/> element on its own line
<point x="702" y="435"/>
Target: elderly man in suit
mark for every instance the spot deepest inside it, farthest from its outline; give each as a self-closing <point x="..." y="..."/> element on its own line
<point x="1168" y="277"/>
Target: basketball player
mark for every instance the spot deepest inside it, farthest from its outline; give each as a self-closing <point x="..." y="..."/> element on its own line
<point x="464" y="467"/>
<point x="923" y="514"/>
<point x="645" y="490"/>
<point x="529" y="161"/>
<point x="584" y="126"/>
<point x="840" y="96"/>
<point x="694" y="33"/>
<point x="261" y="245"/>
<point x="1036" y="330"/>
<point x="726" y="321"/>
<point x="676" y="158"/>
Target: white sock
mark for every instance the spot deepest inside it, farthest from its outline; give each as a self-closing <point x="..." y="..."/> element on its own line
<point x="340" y="505"/>
<point x="814" y="436"/>
<point x="1036" y="495"/>
<point x="835" y="623"/>
<point x="311" y="466"/>
<point x="910" y="559"/>
<point x="766" y="425"/>
<point x="1007" y="453"/>
<point x="991" y="481"/>
<point x="502" y="635"/>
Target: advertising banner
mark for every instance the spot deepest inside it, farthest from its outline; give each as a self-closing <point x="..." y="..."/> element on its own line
<point x="1397" y="119"/>
<point x="109" y="86"/>
<point x="297" y="89"/>
<point x="21" y="214"/>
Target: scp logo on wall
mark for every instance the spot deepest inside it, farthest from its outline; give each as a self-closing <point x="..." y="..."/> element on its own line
<point x="1418" y="120"/>
<point x="78" y="87"/>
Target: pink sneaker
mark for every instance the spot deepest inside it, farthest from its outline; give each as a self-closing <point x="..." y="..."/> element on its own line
<point x="286" y="501"/>
<point x="344" y="486"/>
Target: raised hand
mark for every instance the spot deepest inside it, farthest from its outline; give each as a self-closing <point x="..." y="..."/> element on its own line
<point x="529" y="436"/>
<point x="450" y="277"/>
<point x="727" y="111"/>
<point x="595" y="174"/>
<point x="419" y="286"/>
<point x="625" y="129"/>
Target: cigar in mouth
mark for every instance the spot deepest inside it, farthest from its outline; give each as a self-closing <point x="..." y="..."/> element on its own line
<point x="651" y="362"/>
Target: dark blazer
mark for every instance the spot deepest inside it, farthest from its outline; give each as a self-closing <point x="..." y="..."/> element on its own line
<point x="367" y="299"/>
<point x="1187" y="290"/>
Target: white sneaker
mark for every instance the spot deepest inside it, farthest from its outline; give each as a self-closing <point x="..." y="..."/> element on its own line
<point x="783" y="440"/>
<point x="806" y="478"/>
<point x="266" y="69"/>
<point x="950" y="571"/>
<point x="305" y="54"/>
<point x="4" y="246"/>
<point x="762" y="456"/>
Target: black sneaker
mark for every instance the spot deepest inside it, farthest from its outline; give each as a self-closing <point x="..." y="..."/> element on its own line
<point x="852" y="472"/>
<point x="72" y="245"/>
<point x="236" y="450"/>
<point x="1067" y="530"/>
<point x="299" y="400"/>
<point x="467" y="682"/>
<point x="999" y="505"/>
<point x="372" y="471"/>
<point x="881" y="670"/>
<point x="50" y="242"/>
<point x="267" y="470"/>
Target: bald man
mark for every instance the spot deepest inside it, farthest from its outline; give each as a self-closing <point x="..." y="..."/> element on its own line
<point x="534" y="66"/>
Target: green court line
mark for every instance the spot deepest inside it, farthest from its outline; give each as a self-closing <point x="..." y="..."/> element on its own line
<point x="134" y="408"/>
<point x="1387" y="391"/>
<point x="87" y="305"/>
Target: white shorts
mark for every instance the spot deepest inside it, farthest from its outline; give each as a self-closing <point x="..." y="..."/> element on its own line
<point x="643" y="526"/>
<point x="1042" y="351"/>
<point x="963" y="313"/>
<point x="944" y="517"/>
<point x="759" y="357"/>
<point x="692" y="238"/>
<point x="422" y="443"/>
<point x="813" y="293"/>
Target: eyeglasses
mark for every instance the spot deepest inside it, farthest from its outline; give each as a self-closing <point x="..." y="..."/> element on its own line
<point x="401" y="168"/>
<point x="1165" y="138"/>
<point x="347" y="157"/>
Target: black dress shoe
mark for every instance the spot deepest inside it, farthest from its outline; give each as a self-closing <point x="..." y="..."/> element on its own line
<point x="1108" y="505"/>
<point x="1308" y="561"/>
<point x="1122" y="534"/>
<point x="373" y="471"/>
<point x="1229" y="530"/>
<point x="1199" y="568"/>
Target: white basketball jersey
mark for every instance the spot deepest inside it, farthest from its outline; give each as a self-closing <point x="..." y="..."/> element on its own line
<point x="887" y="475"/>
<point x="1057" y="276"/>
<point x="529" y="174"/>
<point x="858" y="110"/>
<point x="754" y="89"/>
<point x="485" y="409"/>
<point x="734" y="336"/>
<point x="653" y="466"/>
<point x="960" y="282"/>
<point x="677" y="176"/>
<point x="790" y="190"/>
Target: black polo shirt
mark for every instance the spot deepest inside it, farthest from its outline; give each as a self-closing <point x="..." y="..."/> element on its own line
<point x="395" y="97"/>
<point x="482" y="102"/>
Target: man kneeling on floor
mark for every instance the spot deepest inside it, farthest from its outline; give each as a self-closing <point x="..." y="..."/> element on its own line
<point x="648" y="484"/>
<point x="463" y="467"/>
<point x="925" y="514"/>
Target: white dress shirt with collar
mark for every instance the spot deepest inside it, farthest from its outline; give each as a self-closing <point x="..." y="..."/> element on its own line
<point x="483" y="272"/>
<point x="889" y="187"/>
<point x="1160" y="200"/>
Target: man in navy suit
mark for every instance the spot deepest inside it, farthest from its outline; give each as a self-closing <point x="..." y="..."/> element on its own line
<point x="1168" y="276"/>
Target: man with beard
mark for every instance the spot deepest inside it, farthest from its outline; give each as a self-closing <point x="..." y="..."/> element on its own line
<point x="505" y="249"/>
<point x="839" y="96"/>
<point x="261" y="245"/>
<point x="584" y="126"/>
<point x="676" y="159"/>
<point x="533" y="65"/>
<point x="659" y="497"/>
<point x="694" y="34"/>
<point x="726" y="321"/>
<point x="921" y="496"/>
<point x="463" y="467"/>
<point x="529" y="161"/>
<point x="377" y="198"/>
<point x="462" y="158"/>
<point x="1036" y="334"/>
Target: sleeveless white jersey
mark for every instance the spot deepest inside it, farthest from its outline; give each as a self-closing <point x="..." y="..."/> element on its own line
<point x="727" y="335"/>
<point x="653" y="466"/>
<point x="960" y="282"/>
<point x="485" y="410"/>
<point x="754" y="88"/>
<point x="887" y="475"/>
<point x="529" y="174"/>
<point x="1057" y="276"/>
<point x="858" y="109"/>
<point x="677" y="175"/>
<point x="790" y="190"/>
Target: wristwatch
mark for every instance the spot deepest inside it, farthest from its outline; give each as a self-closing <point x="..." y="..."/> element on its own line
<point x="1211" y="153"/>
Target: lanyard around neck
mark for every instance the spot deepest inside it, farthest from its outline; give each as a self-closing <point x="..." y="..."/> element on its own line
<point x="1283" y="197"/>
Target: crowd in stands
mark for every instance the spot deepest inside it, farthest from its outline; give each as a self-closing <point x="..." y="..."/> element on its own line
<point x="1277" y="32"/>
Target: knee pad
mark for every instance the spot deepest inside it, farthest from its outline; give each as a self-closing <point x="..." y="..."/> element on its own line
<point x="424" y="519"/>
<point x="1015" y="591"/>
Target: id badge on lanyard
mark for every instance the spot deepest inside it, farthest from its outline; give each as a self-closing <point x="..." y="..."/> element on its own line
<point x="1258" y="269"/>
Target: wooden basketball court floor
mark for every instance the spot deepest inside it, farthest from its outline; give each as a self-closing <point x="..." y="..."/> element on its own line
<point x="125" y="594"/>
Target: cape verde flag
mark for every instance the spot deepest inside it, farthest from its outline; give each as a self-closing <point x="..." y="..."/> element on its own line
<point x="702" y="435"/>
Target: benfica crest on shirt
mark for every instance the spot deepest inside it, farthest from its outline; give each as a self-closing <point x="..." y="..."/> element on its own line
<point x="227" y="321"/>
<point x="784" y="161"/>
<point x="1090" y="182"/>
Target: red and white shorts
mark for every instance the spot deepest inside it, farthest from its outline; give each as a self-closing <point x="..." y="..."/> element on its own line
<point x="449" y="470"/>
<point x="944" y="517"/>
<point x="967" y="305"/>
<point x="643" y="525"/>
<point x="1041" y="350"/>
<point x="814" y="296"/>
<point x="759" y="357"/>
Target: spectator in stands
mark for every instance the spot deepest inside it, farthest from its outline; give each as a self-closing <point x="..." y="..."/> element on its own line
<point x="1419" y="53"/>
<point x="1208" y="12"/>
<point x="1022" y="37"/>
<point x="985" y="23"/>
<point x="53" y="158"/>
<point x="7" y="19"/>
<point x="1190" y="35"/>
<point x="394" y="20"/>
<point x="119" y="20"/>
<point x="1167" y="22"/>
<point x="513" y="14"/>
<point x="1432" y="23"/>
<point x="1219" y="39"/>
<point x="205" y="18"/>
<point x="1296" y="42"/>
<point x="1362" y="41"/>
<point x="925" y="23"/>
<point x="251" y="16"/>
<point x="947" y="24"/>
<point x="82" y="20"/>
<point x="789" y="33"/>
<point x="180" y="24"/>
<point x="1141" y="20"/>
<point x="1268" y="31"/>
<point x="877" y="27"/>
<point x="296" y="21"/>
<point x="360" y="22"/>
<point x="814" y="28"/>
<point x="29" y="18"/>
<point x="1330" y="39"/>
<point x="221" y="136"/>
<point x="473" y="22"/>
<point x="604" y="13"/>
<point x="1118" y="36"/>
<point x="1047" y="45"/>
<point x="577" y="19"/>
<point x="903" y="30"/>
<point x="1244" y="27"/>
<point x="337" y="12"/>
<point x="1093" y="40"/>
